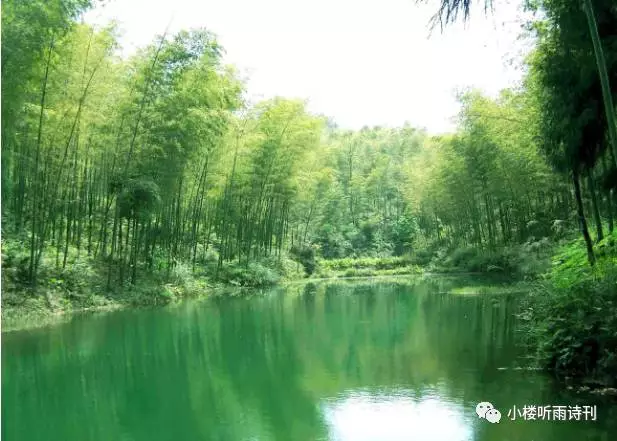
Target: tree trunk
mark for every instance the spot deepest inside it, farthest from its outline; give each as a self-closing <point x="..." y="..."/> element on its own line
<point x="581" y="218"/>
<point x="609" y="197"/>
<point x="609" y="107"/>
<point x="35" y="214"/>
<point x="594" y="206"/>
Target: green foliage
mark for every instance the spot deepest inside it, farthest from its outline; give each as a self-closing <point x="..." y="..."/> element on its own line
<point x="181" y="275"/>
<point x="569" y="265"/>
<point x="522" y="261"/>
<point x="138" y="197"/>
<point x="422" y="257"/>
<point x="368" y="272"/>
<point x="141" y="180"/>
<point x="403" y="234"/>
<point x="253" y="275"/>
<point x="571" y="317"/>
<point x="262" y="273"/>
<point x="15" y="261"/>
<point x="333" y="243"/>
<point x="145" y="163"/>
<point x="367" y="266"/>
<point x="305" y="256"/>
<point x="207" y="259"/>
<point x="367" y="262"/>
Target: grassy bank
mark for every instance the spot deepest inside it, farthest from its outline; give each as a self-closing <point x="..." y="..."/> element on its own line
<point x="84" y="284"/>
<point x="366" y="267"/>
<point x="526" y="261"/>
<point x="570" y="316"/>
<point x="519" y="262"/>
<point x="81" y="288"/>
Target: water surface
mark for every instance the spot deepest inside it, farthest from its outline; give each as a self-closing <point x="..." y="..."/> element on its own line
<point x="361" y="361"/>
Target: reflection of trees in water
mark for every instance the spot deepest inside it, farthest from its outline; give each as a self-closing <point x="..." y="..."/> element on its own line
<point x="472" y="332"/>
<point x="163" y="375"/>
<point x="260" y="363"/>
<point x="385" y="334"/>
<point x="239" y="368"/>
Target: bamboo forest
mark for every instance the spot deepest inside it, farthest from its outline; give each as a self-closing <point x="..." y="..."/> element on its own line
<point x="182" y="262"/>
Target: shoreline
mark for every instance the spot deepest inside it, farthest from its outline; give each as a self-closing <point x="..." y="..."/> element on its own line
<point x="39" y="312"/>
<point x="51" y="308"/>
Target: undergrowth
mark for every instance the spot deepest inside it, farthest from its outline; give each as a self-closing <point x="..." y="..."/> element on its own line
<point x="522" y="261"/>
<point x="367" y="266"/>
<point x="83" y="284"/>
<point x="570" y="317"/>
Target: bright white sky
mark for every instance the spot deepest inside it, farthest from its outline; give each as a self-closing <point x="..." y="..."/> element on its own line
<point x="360" y="62"/>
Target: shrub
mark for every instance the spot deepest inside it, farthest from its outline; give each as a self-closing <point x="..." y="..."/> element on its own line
<point x="365" y="262"/>
<point x="15" y="261"/>
<point x="571" y="316"/>
<point x="522" y="261"/>
<point x="366" y="266"/>
<point x="462" y="257"/>
<point x="422" y="257"/>
<point x="252" y="275"/>
<point x="305" y="256"/>
<point x="209" y="258"/>
<point x="332" y="243"/>
<point x="283" y="266"/>
<point x="181" y="274"/>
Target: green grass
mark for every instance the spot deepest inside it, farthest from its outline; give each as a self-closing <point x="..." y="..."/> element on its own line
<point x="366" y="267"/>
<point x="379" y="263"/>
<point x="570" y="318"/>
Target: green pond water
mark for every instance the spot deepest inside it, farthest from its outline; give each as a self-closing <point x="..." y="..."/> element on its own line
<point x="354" y="361"/>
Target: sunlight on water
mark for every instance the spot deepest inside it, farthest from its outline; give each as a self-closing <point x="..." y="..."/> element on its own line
<point x="361" y="416"/>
